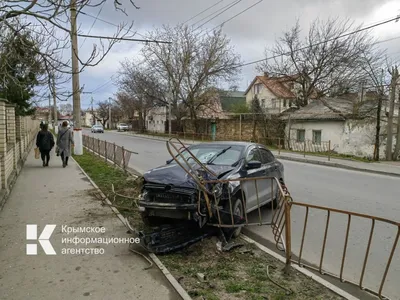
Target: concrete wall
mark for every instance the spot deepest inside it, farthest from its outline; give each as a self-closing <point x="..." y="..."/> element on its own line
<point x="156" y="119"/>
<point x="17" y="135"/>
<point x="351" y="137"/>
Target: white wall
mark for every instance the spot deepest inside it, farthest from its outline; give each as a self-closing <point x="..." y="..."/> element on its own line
<point x="156" y="118"/>
<point x="350" y="137"/>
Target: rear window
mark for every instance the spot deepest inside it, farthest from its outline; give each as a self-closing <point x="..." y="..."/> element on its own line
<point x="123" y="124"/>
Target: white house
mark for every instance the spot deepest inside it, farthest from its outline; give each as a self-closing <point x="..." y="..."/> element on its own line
<point x="276" y="94"/>
<point x="336" y="124"/>
<point x="156" y="119"/>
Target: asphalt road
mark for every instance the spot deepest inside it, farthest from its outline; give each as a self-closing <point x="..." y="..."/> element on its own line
<point x="360" y="192"/>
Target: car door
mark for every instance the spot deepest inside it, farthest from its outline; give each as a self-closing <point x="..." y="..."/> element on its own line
<point x="269" y="169"/>
<point x="249" y="187"/>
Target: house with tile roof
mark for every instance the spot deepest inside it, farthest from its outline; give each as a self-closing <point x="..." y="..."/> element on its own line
<point x="276" y="94"/>
<point x="344" y="125"/>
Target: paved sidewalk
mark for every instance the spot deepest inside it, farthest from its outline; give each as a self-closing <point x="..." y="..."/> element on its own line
<point x="54" y="195"/>
<point x="383" y="168"/>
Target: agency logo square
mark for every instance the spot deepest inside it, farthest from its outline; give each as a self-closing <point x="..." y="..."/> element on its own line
<point x="44" y="239"/>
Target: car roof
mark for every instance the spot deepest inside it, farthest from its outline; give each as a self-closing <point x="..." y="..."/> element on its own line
<point x="230" y="143"/>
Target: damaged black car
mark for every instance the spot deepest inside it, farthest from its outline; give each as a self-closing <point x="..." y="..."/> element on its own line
<point x="172" y="193"/>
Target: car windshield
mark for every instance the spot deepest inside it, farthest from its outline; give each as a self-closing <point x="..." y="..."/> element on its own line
<point x="98" y="126"/>
<point x="122" y="124"/>
<point x="214" y="154"/>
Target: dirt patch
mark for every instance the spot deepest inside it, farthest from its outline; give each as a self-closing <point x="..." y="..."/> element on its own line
<point x="243" y="273"/>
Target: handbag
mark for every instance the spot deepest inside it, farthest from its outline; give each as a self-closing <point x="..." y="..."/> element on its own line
<point x="37" y="153"/>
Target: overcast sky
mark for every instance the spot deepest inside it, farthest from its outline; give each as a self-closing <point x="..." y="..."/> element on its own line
<point x="250" y="32"/>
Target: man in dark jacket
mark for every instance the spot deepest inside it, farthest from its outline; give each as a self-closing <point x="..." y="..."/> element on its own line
<point x="45" y="142"/>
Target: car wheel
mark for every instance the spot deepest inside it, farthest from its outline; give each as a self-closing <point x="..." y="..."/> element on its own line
<point x="274" y="204"/>
<point x="237" y="209"/>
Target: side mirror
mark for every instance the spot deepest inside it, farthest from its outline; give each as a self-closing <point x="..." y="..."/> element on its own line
<point x="254" y="164"/>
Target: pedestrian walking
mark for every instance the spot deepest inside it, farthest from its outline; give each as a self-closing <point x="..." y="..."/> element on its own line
<point x="45" y="142"/>
<point x="64" y="143"/>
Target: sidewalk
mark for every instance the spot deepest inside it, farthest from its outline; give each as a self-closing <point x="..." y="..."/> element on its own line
<point x="383" y="168"/>
<point x="54" y="195"/>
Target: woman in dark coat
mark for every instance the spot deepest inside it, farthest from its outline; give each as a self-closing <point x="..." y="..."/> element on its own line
<point x="64" y="143"/>
<point x="45" y="142"/>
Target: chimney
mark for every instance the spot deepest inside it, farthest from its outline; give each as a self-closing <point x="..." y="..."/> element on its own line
<point x="266" y="74"/>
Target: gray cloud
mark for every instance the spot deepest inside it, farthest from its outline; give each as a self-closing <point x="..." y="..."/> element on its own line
<point x="250" y="32"/>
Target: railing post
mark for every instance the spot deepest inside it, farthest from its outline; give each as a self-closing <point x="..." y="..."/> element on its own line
<point x="329" y="150"/>
<point x="105" y="151"/>
<point x="288" y="237"/>
<point x="114" y="150"/>
<point x="304" y="147"/>
<point x="123" y="159"/>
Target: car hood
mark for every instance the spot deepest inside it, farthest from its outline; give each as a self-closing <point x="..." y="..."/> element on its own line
<point x="173" y="174"/>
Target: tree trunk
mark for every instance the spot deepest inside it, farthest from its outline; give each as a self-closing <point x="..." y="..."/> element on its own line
<point x="378" y="129"/>
<point x="140" y="121"/>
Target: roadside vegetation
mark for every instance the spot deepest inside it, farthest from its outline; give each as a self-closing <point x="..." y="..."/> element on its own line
<point x="245" y="272"/>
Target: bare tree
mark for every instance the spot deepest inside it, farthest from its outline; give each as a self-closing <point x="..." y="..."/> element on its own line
<point x="102" y="113"/>
<point x="189" y="67"/>
<point x="48" y="22"/>
<point x="325" y="62"/>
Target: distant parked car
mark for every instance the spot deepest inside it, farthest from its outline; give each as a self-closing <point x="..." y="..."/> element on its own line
<point x="97" y="128"/>
<point x="122" y="127"/>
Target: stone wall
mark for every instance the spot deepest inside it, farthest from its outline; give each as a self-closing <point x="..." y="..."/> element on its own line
<point x="17" y="135"/>
<point x="238" y="129"/>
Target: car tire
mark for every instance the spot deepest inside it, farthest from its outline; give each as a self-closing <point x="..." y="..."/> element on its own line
<point x="238" y="209"/>
<point x="274" y="204"/>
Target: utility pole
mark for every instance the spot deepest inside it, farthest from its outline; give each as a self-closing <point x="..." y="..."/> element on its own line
<point x="94" y="118"/>
<point x="394" y="72"/>
<point x="49" y="118"/>
<point x="54" y="104"/>
<point x="76" y="97"/>
<point x="170" y="94"/>
<point x="109" y="113"/>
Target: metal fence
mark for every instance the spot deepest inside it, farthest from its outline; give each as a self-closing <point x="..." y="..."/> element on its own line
<point x="290" y="227"/>
<point x="109" y="151"/>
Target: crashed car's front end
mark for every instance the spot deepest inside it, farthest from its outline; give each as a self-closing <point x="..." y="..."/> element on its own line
<point x="166" y="201"/>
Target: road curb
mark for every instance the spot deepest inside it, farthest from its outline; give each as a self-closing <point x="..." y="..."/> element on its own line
<point x="305" y="272"/>
<point x="336" y="165"/>
<point x="171" y="279"/>
<point x="283" y="157"/>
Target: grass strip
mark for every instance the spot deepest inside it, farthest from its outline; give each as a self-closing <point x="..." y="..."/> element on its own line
<point x="241" y="273"/>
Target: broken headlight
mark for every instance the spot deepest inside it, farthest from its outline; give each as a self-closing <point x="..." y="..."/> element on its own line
<point x="217" y="190"/>
<point x="143" y="196"/>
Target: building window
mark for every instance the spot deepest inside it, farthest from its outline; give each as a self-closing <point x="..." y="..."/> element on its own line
<point x="284" y="102"/>
<point x="263" y="103"/>
<point x="257" y="88"/>
<point x="301" y="135"/>
<point x="316" y="137"/>
<point x="274" y="102"/>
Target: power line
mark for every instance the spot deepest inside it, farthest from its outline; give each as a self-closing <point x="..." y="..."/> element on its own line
<point x="234" y="4"/>
<point x="230" y="19"/>
<point x="217" y="11"/>
<point x="94" y="22"/>
<point x="320" y="43"/>
<point x="113" y="24"/>
<point x="123" y="39"/>
<point x="200" y="13"/>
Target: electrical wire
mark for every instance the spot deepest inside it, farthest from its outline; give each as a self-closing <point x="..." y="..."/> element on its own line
<point x="234" y="4"/>
<point x="217" y="11"/>
<point x="320" y="43"/>
<point x="200" y="13"/>
<point x="230" y="19"/>
<point x="94" y="22"/>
